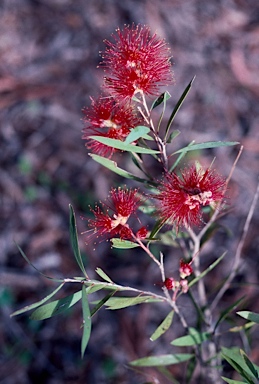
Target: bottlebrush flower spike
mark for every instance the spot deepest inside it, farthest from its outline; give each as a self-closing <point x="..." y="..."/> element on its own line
<point x="181" y="198"/>
<point x="136" y="62"/>
<point x="109" y="119"/>
<point x="112" y="220"/>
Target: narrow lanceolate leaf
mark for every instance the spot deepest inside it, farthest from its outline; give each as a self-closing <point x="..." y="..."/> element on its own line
<point x="194" y="338"/>
<point x="234" y="358"/>
<point x="178" y="106"/>
<point x="74" y="240"/>
<point x="180" y="157"/>
<point x="101" y="273"/>
<point x="118" y="144"/>
<point x="29" y="262"/>
<point x="228" y="310"/>
<point x="112" y="166"/>
<point x="208" y="144"/>
<point x="136" y="133"/>
<point x="56" y="307"/>
<point x="204" y="273"/>
<point x="156" y="361"/>
<point x="124" y="302"/>
<point x="230" y="381"/>
<point x="173" y="135"/>
<point x="252" y="316"/>
<point x="86" y="321"/>
<point x="101" y="303"/>
<point x="251" y="366"/>
<point x="39" y="303"/>
<point x="163" y="327"/>
<point x="123" y="244"/>
<point x="160" y="99"/>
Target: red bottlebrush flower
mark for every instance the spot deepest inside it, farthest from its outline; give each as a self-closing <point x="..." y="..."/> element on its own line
<point x="185" y="269"/>
<point x="181" y="198"/>
<point x="137" y="62"/>
<point x="109" y="119"/>
<point x="112" y="220"/>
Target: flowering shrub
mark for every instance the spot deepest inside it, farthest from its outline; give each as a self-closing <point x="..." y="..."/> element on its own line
<point x="137" y="64"/>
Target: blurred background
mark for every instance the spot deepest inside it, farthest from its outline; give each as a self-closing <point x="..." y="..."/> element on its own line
<point x="49" y="51"/>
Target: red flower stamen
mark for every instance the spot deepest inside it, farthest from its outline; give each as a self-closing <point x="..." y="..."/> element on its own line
<point x="137" y="62"/>
<point x="109" y="119"/>
<point x="112" y="220"/>
<point x="181" y="198"/>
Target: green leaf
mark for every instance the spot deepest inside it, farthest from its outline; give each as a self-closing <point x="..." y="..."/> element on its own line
<point x="112" y="166"/>
<point x="56" y="307"/>
<point x="29" y="262"/>
<point x="136" y="133"/>
<point x="234" y="358"/>
<point x="74" y="241"/>
<point x="194" y="338"/>
<point x="124" y="302"/>
<point x="160" y="99"/>
<point x="173" y="135"/>
<point x="229" y="309"/>
<point x="163" y="327"/>
<point x="229" y="381"/>
<point x="101" y="303"/>
<point x="251" y="366"/>
<point x="178" y="106"/>
<point x="103" y="275"/>
<point x="180" y="157"/>
<point x="204" y="273"/>
<point x="86" y="321"/>
<point x="190" y="369"/>
<point x="154" y="361"/>
<point x="123" y="244"/>
<point x="208" y="144"/>
<point x="118" y="144"/>
<point x="252" y="316"/>
<point x="157" y="227"/>
<point x="39" y="303"/>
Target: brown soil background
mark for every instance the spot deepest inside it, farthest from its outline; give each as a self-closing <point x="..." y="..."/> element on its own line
<point x="49" y="52"/>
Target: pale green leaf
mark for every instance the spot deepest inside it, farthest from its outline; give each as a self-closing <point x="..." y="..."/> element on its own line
<point x="103" y="275"/>
<point x="124" y="302"/>
<point x="112" y="166"/>
<point x="194" y="338"/>
<point x="39" y="303"/>
<point x="163" y="327"/>
<point x="208" y="144"/>
<point x="56" y="307"/>
<point x="123" y="244"/>
<point x="178" y="106"/>
<point x="74" y="241"/>
<point x="252" y="316"/>
<point x="204" y="273"/>
<point x="118" y="144"/>
<point x="234" y="358"/>
<point x="230" y="381"/>
<point x="154" y="361"/>
<point x="86" y="321"/>
<point x="136" y="133"/>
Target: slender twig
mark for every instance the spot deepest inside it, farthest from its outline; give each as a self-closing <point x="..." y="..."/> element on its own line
<point x="240" y="246"/>
<point x="160" y="144"/>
